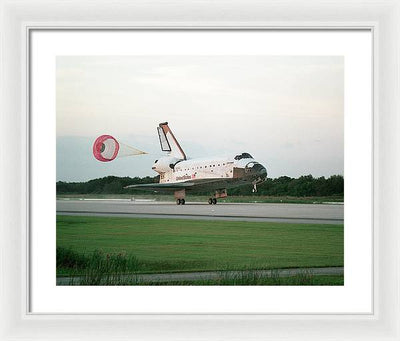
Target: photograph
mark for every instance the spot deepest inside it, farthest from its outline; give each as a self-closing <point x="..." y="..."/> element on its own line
<point x="200" y="170"/>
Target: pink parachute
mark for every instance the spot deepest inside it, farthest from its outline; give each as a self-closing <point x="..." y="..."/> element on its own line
<point x="105" y="148"/>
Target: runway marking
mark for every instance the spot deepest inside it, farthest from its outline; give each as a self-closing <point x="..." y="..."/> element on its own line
<point x="212" y="275"/>
<point x="200" y="216"/>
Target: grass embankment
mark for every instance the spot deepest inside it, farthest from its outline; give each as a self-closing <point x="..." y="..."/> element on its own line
<point x="204" y="198"/>
<point x="301" y="279"/>
<point x="174" y="245"/>
<point x="100" y="269"/>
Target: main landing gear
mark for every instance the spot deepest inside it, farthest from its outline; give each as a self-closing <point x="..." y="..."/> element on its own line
<point x="219" y="193"/>
<point x="212" y="201"/>
<point x="180" y="201"/>
<point x="180" y="197"/>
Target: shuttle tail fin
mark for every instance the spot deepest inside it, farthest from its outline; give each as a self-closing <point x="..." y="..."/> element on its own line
<point x="168" y="141"/>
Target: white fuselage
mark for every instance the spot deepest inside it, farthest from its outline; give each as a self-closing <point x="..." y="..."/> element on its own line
<point x="199" y="169"/>
<point x="173" y="170"/>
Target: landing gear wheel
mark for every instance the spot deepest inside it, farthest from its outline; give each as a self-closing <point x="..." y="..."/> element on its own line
<point x="178" y="201"/>
<point x="210" y="201"/>
<point x="214" y="201"/>
<point x="182" y="201"/>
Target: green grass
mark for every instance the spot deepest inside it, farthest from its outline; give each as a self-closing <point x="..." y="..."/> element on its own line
<point x="293" y="280"/>
<point x="98" y="268"/>
<point x="172" y="245"/>
<point x="202" y="198"/>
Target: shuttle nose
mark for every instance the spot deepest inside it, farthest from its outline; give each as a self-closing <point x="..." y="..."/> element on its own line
<point x="261" y="171"/>
<point x="257" y="170"/>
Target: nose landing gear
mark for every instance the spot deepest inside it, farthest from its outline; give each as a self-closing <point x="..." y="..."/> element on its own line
<point x="254" y="188"/>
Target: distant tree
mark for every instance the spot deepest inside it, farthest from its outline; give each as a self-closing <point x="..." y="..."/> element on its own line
<point x="305" y="185"/>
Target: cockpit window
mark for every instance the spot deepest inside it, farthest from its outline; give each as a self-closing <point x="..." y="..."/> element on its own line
<point x="243" y="156"/>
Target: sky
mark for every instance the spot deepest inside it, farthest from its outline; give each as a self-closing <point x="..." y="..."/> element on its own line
<point x="286" y="111"/>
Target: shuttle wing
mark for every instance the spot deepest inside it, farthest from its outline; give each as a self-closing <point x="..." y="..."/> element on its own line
<point x="157" y="186"/>
<point x="188" y="185"/>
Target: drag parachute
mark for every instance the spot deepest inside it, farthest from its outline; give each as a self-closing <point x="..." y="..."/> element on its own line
<point x="106" y="148"/>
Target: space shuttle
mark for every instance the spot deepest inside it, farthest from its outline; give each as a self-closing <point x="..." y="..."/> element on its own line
<point x="180" y="174"/>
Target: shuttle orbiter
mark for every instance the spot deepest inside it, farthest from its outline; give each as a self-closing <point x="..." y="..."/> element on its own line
<point x="179" y="174"/>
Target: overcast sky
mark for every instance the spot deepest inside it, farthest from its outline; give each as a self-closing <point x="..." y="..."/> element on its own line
<point x="287" y="111"/>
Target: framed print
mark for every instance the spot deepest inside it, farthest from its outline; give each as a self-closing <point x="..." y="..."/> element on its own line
<point x="168" y="171"/>
<point x="216" y="67"/>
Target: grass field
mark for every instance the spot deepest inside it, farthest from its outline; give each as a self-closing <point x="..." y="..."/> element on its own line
<point x="173" y="245"/>
<point x="306" y="277"/>
<point x="294" y="280"/>
<point x="202" y="198"/>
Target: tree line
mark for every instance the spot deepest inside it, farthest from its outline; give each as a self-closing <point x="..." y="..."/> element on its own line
<point x="304" y="186"/>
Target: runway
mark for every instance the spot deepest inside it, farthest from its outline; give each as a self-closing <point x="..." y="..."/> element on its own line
<point x="291" y="213"/>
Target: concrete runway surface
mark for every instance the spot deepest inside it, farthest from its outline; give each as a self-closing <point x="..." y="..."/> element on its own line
<point x="293" y="213"/>
<point x="213" y="275"/>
